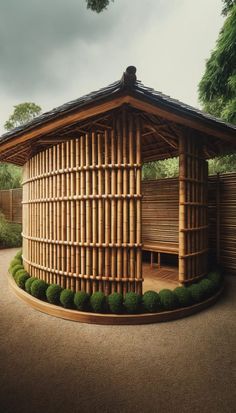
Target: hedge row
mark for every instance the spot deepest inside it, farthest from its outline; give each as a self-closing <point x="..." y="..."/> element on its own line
<point x="149" y="302"/>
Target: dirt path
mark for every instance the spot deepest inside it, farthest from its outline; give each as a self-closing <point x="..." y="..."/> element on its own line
<point x="52" y="365"/>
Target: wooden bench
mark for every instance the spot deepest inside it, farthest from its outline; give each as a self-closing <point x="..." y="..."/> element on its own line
<point x="161" y="247"/>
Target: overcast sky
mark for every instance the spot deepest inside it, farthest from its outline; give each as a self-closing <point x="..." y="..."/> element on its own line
<point x="53" y="51"/>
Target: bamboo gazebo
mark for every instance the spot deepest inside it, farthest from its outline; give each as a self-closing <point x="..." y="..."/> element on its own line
<point x="82" y="185"/>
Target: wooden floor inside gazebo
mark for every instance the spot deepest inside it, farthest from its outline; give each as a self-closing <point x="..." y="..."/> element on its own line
<point x="158" y="278"/>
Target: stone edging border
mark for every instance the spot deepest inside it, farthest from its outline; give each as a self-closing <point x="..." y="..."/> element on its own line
<point x="110" y="319"/>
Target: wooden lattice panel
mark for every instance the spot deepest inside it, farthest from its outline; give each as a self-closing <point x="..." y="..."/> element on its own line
<point x="82" y="211"/>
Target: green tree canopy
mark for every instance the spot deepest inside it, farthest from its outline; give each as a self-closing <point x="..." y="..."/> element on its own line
<point x="98" y="5"/>
<point x="217" y="88"/>
<point x="22" y="113"/>
<point x="11" y="175"/>
<point x="228" y="5"/>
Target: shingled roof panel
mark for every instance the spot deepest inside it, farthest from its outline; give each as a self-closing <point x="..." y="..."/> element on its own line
<point x="135" y="88"/>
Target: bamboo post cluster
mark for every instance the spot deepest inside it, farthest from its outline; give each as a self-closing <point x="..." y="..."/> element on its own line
<point x="193" y="217"/>
<point x="82" y="210"/>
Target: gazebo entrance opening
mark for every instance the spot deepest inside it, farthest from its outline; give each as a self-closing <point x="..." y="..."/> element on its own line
<point x="160" y="233"/>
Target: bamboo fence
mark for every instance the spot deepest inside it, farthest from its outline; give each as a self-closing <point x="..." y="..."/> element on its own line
<point x="10" y="204"/>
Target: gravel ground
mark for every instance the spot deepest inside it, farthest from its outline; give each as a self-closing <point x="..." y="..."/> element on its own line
<point x="52" y="365"/>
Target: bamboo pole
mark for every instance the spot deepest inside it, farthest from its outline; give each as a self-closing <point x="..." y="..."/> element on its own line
<point x="100" y="214"/>
<point x="107" y="213"/>
<point x="88" y="216"/>
<point x="125" y="202"/>
<point x="82" y="213"/>
<point x="63" y="213"/>
<point x="78" y="235"/>
<point x="119" y="208"/>
<point x="113" y="208"/>
<point x="132" y="228"/>
<point x="94" y="212"/>
<point x="139" y="207"/>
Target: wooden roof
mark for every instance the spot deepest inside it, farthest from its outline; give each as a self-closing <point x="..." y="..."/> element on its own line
<point x="164" y="120"/>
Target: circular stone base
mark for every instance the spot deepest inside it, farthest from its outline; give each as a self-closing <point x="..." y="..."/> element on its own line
<point x="109" y="319"/>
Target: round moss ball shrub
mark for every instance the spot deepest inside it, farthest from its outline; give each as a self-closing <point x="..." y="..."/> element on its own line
<point x="208" y="287"/>
<point x="21" y="277"/>
<point x="132" y="302"/>
<point x="151" y="301"/>
<point x="115" y="303"/>
<point x="29" y="283"/>
<point x="67" y="298"/>
<point x="38" y="289"/>
<point x="16" y="268"/>
<point x="168" y="299"/>
<point x="98" y="302"/>
<point x="19" y="256"/>
<point x="215" y="277"/>
<point x="14" y="262"/>
<point x="81" y="300"/>
<point x="53" y="294"/>
<point x="19" y="272"/>
<point x="183" y="296"/>
<point x="197" y="292"/>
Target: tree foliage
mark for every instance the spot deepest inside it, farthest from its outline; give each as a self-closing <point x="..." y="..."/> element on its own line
<point x="217" y="88"/>
<point x="228" y="5"/>
<point x="22" y="113"/>
<point x="98" y="5"/>
<point x="10" y="176"/>
<point x="167" y="168"/>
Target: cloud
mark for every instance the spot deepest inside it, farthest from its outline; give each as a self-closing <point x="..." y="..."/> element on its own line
<point x="55" y="50"/>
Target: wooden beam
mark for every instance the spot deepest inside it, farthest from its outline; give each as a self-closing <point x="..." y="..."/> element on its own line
<point x="197" y="124"/>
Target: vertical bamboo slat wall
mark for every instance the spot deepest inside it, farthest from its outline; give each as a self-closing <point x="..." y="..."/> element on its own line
<point x="82" y="211"/>
<point x="193" y="217"/>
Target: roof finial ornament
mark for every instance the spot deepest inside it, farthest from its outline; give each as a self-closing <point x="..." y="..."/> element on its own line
<point x="129" y="77"/>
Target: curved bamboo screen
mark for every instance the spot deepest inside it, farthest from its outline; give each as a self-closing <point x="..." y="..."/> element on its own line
<point x="193" y="205"/>
<point x="82" y="210"/>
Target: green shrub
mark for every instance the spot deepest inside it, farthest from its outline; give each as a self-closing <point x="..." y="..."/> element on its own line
<point x="168" y="299"/>
<point x="115" y="303"/>
<point x="67" y="298"/>
<point x="15" y="261"/>
<point x="215" y="277"/>
<point x="197" y="292"/>
<point x="81" y="300"/>
<point x="18" y="255"/>
<point x="21" y="278"/>
<point x="38" y="289"/>
<point x="18" y="272"/>
<point x="183" y="296"/>
<point x="151" y="301"/>
<point x="132" y="302"/>
<point x="16" y="268"/>
<point x="29" y="283"/>
<point x="98" y="302"/>
<point x="10" y="233"/>
<point x="53" y="294"/>
<point x="208" y="287"/>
